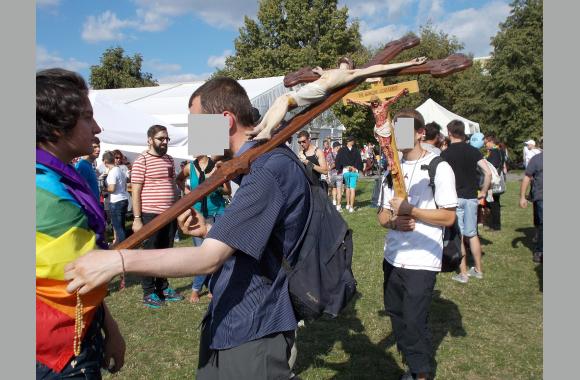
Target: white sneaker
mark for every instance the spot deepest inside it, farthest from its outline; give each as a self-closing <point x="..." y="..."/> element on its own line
<point x="338" y="208"/>
<point x="334" y="202"/>
<point x="472" y="272"/>
<point x="350" y="209"/>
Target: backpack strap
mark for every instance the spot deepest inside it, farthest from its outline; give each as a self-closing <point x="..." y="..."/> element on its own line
<point x="432" y="169"/>
<point x="288" y="153"/>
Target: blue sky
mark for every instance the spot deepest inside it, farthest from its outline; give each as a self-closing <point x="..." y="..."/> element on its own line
<point x="186" y="40"/>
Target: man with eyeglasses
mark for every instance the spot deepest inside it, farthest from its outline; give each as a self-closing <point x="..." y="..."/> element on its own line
<point x="153" y="191"/>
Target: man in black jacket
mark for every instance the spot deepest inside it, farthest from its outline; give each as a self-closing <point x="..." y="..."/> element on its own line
<point x="348" y="164"/>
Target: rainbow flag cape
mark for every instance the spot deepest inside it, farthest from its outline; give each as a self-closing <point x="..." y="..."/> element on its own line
<point x="69" y="223"/>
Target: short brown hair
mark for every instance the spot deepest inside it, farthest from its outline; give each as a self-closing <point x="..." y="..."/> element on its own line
<point x="456" y="128"/>
<point x="224" y="94"/>
<point x="304" y="134"/>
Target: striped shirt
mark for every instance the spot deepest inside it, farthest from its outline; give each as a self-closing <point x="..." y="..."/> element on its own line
<point x="250" y="290"/>
<point x="157" y="175"/>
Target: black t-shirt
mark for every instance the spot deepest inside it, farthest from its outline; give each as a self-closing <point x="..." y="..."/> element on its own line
<point x="314" y="160"/>
<point x="463" y="159"/>
<point x="496" y="159"/>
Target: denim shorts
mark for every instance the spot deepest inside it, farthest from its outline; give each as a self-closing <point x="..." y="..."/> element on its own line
<point x="467" y="216"/>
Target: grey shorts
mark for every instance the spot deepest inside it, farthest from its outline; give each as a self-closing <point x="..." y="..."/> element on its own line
<point x="335" y="181"/>
<point x="264" y="358"/>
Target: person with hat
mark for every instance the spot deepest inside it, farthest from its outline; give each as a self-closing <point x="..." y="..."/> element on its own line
<point x="530" y="151"/>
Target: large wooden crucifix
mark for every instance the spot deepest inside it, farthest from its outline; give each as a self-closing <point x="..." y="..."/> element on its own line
<point x="241" y="164"/>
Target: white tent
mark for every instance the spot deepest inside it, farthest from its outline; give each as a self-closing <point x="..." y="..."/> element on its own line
<point x="433" y="111"/>
<point x="126" y="114"/>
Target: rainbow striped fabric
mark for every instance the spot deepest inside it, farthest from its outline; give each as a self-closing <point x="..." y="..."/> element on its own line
<point x="68" y="224"/>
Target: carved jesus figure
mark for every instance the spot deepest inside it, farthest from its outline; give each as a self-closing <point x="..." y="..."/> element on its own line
<point x="318" y="90"/>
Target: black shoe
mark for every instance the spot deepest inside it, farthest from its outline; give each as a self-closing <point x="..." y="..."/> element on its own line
<point x="538" y="257"/>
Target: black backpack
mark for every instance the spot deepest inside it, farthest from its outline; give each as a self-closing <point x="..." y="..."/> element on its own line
<point x="320" y="278"/>
<point x="451" y="257"/>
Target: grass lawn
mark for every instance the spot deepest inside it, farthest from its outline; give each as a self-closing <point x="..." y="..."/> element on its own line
<point x="486" y="329"/>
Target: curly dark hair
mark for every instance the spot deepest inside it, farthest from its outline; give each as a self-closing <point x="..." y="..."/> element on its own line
<point x="60" y="99"/>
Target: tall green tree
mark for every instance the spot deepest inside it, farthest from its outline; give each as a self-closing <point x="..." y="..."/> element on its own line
<point x="291" y="34"/>
<point x="515" y="90"/>
<point x="118" y="70"/>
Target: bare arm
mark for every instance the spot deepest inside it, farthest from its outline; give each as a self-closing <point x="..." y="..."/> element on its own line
<point x="523" y="189"/>
<point x="487" y="176"/>
<point x="438" y="217"/>
<point x="181" y="177"/>
<point x="393" y="222"/>
<point x="114" y="343"/>
<point x="322" y="167"/>
<point x="136" y="189"/>
<point x="99" y="267"/>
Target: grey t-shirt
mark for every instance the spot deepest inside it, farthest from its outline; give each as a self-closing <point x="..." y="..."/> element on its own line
<point x="535" y="169"/>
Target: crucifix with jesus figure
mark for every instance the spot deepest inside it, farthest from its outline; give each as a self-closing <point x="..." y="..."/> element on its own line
<point x="318" y="98"/>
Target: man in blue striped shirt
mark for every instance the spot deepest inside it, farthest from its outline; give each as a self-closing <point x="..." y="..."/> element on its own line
<point x="248" y="330"/>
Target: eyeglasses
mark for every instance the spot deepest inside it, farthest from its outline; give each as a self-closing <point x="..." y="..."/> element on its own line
<point x="162" y="139"/>
<point x="302" y="141"/>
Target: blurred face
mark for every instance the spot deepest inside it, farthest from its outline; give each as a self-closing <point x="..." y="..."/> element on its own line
<point x="118" y="159"/>
<point x="160" y="142"/>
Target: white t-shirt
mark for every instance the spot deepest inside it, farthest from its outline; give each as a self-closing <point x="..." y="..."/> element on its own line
<point x="421" y="248"/>
<point x="528" y="154"/>
<point x="119" y="178"/>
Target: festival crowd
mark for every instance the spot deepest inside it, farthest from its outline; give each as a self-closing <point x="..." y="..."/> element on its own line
<point x="249" y="330"/>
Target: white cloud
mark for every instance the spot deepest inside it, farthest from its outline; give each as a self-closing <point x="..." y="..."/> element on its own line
<point x="183" y="78"/>
<point x="46" y="59"/>
<point x="157" y="15"/>
<point x="47" y="3"/>
<point x="373" y="11"/>
<point x="379" y="36"/>
<point x="475" y="27"/>
<point x="429" y="10"/>
<point x="219" y="61"/>
<point x="159" y="66"/>
<point x="105" y="27"/>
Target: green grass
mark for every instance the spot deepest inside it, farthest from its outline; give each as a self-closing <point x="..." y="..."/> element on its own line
<point x="487" y="329"/>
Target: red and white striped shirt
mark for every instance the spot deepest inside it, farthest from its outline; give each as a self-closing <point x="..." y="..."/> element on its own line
<point x="157" y="175"/>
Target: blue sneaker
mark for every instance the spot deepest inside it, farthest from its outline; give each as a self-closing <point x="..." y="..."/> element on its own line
<point x="172" y="295"/>
<point x="153" y="301"/>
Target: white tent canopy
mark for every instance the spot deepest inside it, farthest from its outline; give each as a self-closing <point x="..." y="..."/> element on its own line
<point x="433" y="111"/>
<point x="126" y="114"/>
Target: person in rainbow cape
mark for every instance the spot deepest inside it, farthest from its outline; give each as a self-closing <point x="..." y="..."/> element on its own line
<point x="69" y="223"/>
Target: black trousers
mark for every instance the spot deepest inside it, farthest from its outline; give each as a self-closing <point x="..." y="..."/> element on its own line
<point x="160" y="239"/>
<point x="265" y="358"/>
<point x="407" y="297"/>
<point x="495" y="213"/>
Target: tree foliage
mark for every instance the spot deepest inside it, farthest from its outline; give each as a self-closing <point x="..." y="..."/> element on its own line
<point x="291" y="34"/>
<point x="515" y="91"/>
<point x="119" y="71"/>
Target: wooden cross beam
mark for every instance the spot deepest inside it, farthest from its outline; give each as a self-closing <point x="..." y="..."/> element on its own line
<point x="241" y="164"/>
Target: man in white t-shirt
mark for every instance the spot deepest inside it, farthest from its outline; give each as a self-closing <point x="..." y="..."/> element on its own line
<point x="530" y="150"/>
<point x="413" y="249"/>
<point x="116" y="183"/>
